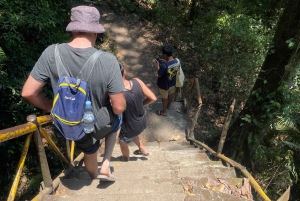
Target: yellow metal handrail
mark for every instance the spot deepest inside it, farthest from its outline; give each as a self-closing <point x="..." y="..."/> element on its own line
<point x="190" y="137"/>
<point x="34" y="128"/>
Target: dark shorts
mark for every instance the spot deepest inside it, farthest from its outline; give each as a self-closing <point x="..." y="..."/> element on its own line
<point x="89" y="145"/>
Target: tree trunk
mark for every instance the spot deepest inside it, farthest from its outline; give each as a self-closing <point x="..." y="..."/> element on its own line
<point x="194" y="9"/>
<point x="271" y="76"/>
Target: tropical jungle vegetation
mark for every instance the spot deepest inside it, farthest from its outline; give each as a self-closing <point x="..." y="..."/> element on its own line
<point x="243" y="50"/>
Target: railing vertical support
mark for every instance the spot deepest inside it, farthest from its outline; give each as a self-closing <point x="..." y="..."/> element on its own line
<point x="72" y="151"/>
<point x="13" y="190"/>
<point x="68" y="150"/>
<point x="41" y="153"/>
<point x="226" y="127"/>
<point x="191" y="134"/>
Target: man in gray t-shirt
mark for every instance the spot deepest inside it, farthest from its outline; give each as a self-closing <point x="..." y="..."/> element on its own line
<point x="105" y="84"/>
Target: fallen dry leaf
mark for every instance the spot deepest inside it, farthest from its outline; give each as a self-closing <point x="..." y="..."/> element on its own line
<point x="175" y="138"/>
<point x="221" y="188"/>
<point x="176" y="110"/>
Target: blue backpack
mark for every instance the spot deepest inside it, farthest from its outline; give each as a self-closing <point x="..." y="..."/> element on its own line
<point x="70" y="96"/>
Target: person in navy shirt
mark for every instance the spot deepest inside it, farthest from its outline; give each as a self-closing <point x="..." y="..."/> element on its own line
<point x="166" y="70"/>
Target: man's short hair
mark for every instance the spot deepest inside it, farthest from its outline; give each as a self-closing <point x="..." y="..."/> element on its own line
<point x="167" y="50"/>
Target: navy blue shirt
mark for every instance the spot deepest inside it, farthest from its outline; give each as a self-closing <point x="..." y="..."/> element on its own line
<point x="167" y="74"/>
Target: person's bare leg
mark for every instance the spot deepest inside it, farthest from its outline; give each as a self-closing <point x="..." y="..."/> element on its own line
<point x="124" y="149"/>
<point x="102" y="143"/>
<point x="170" y="99"/>
<point x="139" y="143"/>
<point x="91" y="164"/>
<point x="110" y="141"/>
<point x="118" y="133"/>
<point x="165" y="104"/>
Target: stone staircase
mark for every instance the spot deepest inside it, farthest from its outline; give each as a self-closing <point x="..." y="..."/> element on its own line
<point x="173" y="171"/>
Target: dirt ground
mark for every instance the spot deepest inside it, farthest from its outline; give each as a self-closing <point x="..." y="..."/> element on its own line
<point x="135" y="43"/>
<point x="138" y="43"/>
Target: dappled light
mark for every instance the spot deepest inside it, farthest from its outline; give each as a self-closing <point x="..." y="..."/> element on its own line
<point x="246" y="51"/>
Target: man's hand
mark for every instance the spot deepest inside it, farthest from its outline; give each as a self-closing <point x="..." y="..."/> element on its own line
<point x="157" y="64"/>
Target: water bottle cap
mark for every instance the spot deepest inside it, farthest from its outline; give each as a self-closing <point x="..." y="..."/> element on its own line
<point x="88" y="103"/>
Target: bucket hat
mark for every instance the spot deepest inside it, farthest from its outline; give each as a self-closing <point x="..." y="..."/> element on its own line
<point x="85" y="19"/>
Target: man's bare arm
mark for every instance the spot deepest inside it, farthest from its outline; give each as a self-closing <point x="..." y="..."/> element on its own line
<point x="118" y="102"/>
<point x="150" y="97"/>
<point x="32" y="93"/>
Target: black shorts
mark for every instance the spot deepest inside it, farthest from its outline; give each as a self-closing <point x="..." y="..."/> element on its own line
<point x="89" y="145"/>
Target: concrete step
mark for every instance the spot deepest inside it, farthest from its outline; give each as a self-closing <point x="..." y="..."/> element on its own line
<point x="117" y="151"/>
<point x="199" y="174"/>
<point x="121" y="186"/>
<point x="167" y="172"/>
<point x="81" y="190"/>
<point x="121" y="174"/>
<point x="160" y="156"/>
<point x="172" y="145"/>
<point x="119" y="197"/>
<point x="205" y="172"/>
<point x="206" y="194"/>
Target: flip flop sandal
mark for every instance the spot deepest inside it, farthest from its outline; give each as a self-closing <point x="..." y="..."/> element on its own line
<point x="103" y="177"/>
<point x="138" y="152"/>
<point x="159" y="113"/>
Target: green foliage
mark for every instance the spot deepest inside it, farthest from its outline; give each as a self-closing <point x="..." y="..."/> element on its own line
<point x="227" y="40"/>
<point x="35" y="182"/>
<point x="26" y="30"/>
<point x="277" y="168"/>
<point x="10" y="152"/>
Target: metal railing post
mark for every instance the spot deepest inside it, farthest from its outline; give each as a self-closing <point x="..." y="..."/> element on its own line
<point x="41" y="153"/>
<point x="13" y="190"/>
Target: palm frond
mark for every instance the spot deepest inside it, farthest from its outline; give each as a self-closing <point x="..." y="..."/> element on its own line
<point x="293" y="145"/>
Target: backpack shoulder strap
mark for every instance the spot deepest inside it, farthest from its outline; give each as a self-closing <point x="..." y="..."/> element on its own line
<point x="178" y="62"/>
<point x="178" y="72"/>
<point x="59" y="65"/>
<point x="90" y="63"/>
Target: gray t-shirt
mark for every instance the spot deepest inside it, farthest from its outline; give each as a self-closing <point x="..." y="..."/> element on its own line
<point x="104" y="79"/>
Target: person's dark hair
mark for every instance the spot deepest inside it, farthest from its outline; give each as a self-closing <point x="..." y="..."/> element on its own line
<point x="121" y="68"/>
<point x="167" y="50"/>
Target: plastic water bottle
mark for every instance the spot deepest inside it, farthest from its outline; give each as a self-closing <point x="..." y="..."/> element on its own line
<point x="88" y="118"/>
